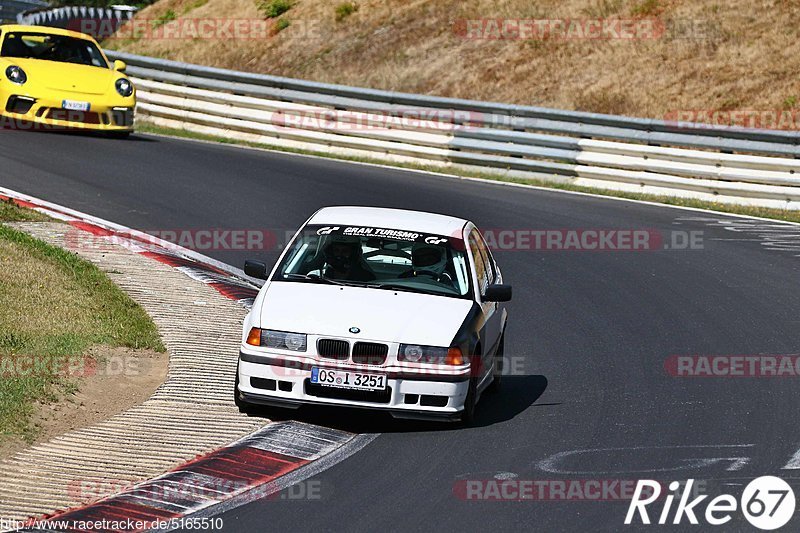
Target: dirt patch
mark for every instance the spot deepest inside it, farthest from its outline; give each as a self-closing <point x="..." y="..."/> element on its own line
<point x="121" y="379"/>
<point x="54" y="308"/>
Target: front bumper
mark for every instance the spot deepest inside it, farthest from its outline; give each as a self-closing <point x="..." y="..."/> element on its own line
<point x="269" y="381"/>
<point x="20" y="110"/>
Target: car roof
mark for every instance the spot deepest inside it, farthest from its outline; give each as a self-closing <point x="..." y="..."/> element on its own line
<point x="6" y="28"/>
<point x="381" y="217"/>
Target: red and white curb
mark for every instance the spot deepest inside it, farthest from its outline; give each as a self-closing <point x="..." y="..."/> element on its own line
<point x="253" y="468"/>
<point x="231" y="282"/>
<point x="263" y="463"/>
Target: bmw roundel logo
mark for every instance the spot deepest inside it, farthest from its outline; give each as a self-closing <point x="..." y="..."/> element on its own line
<point x="355" y="330"/>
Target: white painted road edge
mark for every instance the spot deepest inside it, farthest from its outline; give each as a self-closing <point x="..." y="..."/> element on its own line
<point x="65" y="213"/>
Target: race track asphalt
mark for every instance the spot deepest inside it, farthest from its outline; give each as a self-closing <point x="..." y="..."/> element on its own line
<point x="589" y="334"/>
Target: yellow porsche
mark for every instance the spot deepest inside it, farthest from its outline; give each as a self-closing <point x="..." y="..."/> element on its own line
<point x="54" y="78"/>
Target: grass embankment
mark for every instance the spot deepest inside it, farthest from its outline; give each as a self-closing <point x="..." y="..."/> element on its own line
<point x="778" y="214"/>
<point x="709" y="55"/>
<point x="53" y="304"/>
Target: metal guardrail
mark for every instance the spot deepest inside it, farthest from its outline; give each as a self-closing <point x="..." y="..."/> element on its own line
<point x="725" y="164"/>
<point x="100" y="22"/>
<point x="9" y="9"/>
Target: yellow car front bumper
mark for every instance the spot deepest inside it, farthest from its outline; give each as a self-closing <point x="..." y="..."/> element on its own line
<point x="27" y="111"/>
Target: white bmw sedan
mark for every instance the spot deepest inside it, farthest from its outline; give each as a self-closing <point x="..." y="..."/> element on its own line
<point x="376" y="308"/>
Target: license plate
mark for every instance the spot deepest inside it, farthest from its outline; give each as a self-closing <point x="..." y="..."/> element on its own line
<point x="72" y="105"/>
<point x="347" y="380"/>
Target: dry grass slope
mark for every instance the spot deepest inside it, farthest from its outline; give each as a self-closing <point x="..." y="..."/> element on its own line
<point x="716" y="54"/>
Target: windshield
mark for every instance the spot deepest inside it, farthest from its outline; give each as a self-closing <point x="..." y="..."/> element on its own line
<point x="49" y="47"/>
<point x="378" y="257"/>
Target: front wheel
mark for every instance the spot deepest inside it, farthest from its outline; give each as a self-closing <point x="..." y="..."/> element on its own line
<point x="244" y="407"/>
<point x="497" y="367"/>
<point x="468" y="414"/>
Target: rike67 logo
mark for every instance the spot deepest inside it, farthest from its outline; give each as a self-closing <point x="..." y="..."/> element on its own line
<point x="767" y="503"/>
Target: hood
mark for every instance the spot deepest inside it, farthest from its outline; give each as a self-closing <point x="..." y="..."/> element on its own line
<point x="67" y="77"/>
<point x="381" y="315"/>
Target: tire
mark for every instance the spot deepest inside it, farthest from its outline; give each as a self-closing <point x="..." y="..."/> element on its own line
<point x="497" y="371"/>
<point x="244" y="407"/>
<point x="470" y="403"/>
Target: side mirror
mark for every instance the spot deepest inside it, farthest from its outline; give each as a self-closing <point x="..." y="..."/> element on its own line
<point x="255" y="269"/>
<point x="120" y="66"/>
<point x="497" y="293"/>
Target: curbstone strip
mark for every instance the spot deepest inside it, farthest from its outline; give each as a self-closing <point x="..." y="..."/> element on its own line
<point x="245" y="468"/>
<point x="189" y="417"/>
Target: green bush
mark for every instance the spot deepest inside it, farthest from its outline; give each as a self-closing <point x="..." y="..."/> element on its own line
<point x="194" y="5"/>
<point x="274" y="8"/>
<point x="163" y="19"/>
<point x="281" y="24"/>
<point x="344" y="10"/>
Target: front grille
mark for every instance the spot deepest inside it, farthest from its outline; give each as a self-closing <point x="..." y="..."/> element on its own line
<point x="81" y="117"/>
<point x="333" y="349"/>
<point x="320" y="391"/>
<point x="266" y="384"/>
<point x="370" y="353"/>
<point x="19" y="104"/>
<point x="429" y="400"/>
<point x="122" y="116"/>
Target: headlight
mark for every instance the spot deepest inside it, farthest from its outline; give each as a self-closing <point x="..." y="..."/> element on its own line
<point x="283" y="340"/>
<point x="16" y="75"/>
<point x="434" y="355"/>
<point x="410" y="352"/>
<point x="124" y="87"/>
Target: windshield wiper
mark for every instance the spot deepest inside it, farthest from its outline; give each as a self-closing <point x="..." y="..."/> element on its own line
<point x="317" y="277"/>
<point x="394" y="287"/>
<point x="313" y="277"/>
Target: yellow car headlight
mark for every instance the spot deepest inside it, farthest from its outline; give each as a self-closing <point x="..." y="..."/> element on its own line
<point x="124" y="87"/>
<point x="16" y="75"/>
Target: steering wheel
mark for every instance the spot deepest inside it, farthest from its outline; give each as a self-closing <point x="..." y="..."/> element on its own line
<point x="391" y="253"/>
<point x="435" y="275"/>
